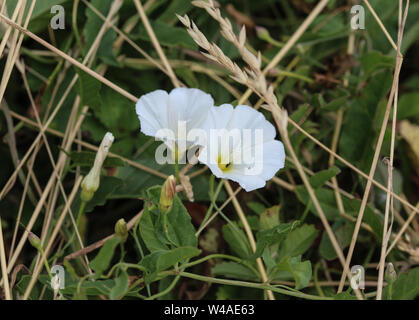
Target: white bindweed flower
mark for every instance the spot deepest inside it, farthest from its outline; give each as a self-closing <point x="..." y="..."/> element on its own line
<point x="241" y="146"/>
<point x="175" y="118"/>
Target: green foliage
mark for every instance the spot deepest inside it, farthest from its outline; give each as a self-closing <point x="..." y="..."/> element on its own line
<point x="273" y="236"/>
<point x="233" y="270"/>
<point x="316" y="81"/>
<point x="375" y="60"/>
<point x="237" y="240"/>
<point x="408" y="106"/>
<point x="93" y="25"/>
<point x="103" y="259"/>
<point x="298" y="241"/>
<point x="160" y="260"/>
<point x="328" y="203"/>
<point x="323" y="176"/>
<point x="168" y="35"/>
<point x="87" y="158"/>
<point x="121" y="286"/>
<point x="343" y="233"/>
<point x="299" y="271"/>
<point x="106" y="188"/>
<point x="406" y="287"/>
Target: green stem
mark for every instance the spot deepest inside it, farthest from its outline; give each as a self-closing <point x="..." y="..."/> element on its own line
<point x="177" y="168"/>
<point x="73" y="235"/>
<point x="57" y="69"/>
<point x="222" y="256"/>
<point x="121" y="244"/>
<point x="41" y="251"/>
<point x="140" y="249"/>
<point x="75" y="28"/>
<point x="390" y="291"/>
<point x="307" y="209"/>
<point x="167" y="290"/>
<point x="79" y="215"/>
<point x="316" y="279"/>
<point x="213" y="199"/>
<point x="166" y="228"/>
<point x="253" y="285"/>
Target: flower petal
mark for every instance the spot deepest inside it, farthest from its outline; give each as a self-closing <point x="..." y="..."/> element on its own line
<point x="254" y="159"/>
<point x="188" y="105"/>
<point x="151" y="109"/>
<point x="245" y="117"/>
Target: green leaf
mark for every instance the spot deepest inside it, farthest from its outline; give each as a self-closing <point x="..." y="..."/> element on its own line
<point x="298" y="241"/>
<point x="167" y="35"/>
<point x="161" y="260"/>
<point x="343" y="235"/>
<point x="326" y="198"/>
<point x="106" y="188"/>
<point x="180" y="227"/>
<point x="90" y="288"/>
<point x="300" y="113"/>
<point x="406" y="287"/>
<point x="89" y="90"/>
<point x="42" y="7"/>
<point x="233" y="270"/>
<point x="358" y="132"/>
<point x="408" y="106"/>
<point x="148" y="231"/>
<point x="136" y="180"/>
<point x="269" y="218"/>
<point x="181" y="231"/>
<point x="338" y="101"/>
<point x="237" y="240"/>
<point x="272" y="236"/>
<point x="352" y="207"/>
<point x="102" y="260"/>
<point x="121" y="286"/>
<point x="256" y="207"/>
<point x="94" y="24"/>
<point x="293" y="267"/>
<point x="327" y="201"/>
<point x="375" y="60"/>
<point x="200" y="186"/>
<point x="41" y="14"/>
<point x="87" y="159"/>
<point x="320" y="178"/>
<point x="381" y="176"/>
<point x="345" y="295"/>
<point x="179" y="7"/>
<point x="117" y="111"/>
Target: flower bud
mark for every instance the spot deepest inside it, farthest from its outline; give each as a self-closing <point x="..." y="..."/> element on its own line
<point x="121" y="230"/>
<point x="390" y="274"/>
<point x="91" y="182"/>
<point x="168" y="191"/>
<point x="35" y="241"/>
<point x="262" y="33"/>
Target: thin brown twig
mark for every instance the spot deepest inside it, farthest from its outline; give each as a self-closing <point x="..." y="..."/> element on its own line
<point x="54" y="234"/>
<point x="399" y="60"/>
<point x="70" y="59"/>
<point x="389" y="198"/>
<point x="156" y="42"/>
<point x="100" y="243"/>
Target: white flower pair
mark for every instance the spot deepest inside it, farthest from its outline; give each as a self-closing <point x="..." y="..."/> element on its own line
<point x="236" y="143"/>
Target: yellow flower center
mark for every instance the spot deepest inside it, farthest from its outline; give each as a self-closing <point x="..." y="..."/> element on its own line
<point x="224" y="167"/>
